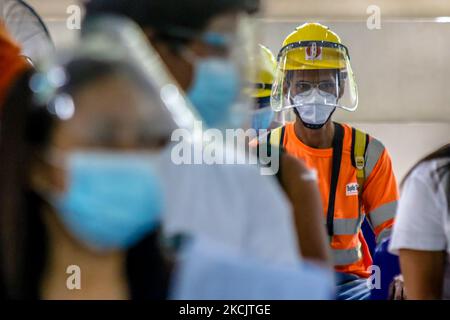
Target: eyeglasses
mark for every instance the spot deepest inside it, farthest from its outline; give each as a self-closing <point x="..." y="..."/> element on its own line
<point x="325" y="87"/>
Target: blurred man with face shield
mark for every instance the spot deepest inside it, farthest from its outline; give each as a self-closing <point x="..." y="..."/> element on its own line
<point x="314" y="78"/>
<point x="263" y="116"/>
<point x="195" y="40"/>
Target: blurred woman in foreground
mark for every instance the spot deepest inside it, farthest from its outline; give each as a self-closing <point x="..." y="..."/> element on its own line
<point x="79" y="190"/>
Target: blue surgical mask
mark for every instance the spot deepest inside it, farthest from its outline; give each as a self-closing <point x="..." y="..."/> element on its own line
<point x="263" y="116"/>
<point x="214" y="90"/>
<point x="112" y="199"/>
<point x="262" y="119"/>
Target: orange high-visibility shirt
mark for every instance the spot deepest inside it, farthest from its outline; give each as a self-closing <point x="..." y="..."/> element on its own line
<point x="379" y="197"/>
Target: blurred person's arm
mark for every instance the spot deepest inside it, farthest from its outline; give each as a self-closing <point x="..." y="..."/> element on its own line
<point x="423" y="273"/>
<point x="304" y="196"/>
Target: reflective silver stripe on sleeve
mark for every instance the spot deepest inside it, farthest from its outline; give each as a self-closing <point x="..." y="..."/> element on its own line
<point x="346" y="256"/>
<point x="347" y="226"/>
<point x="374" y="150"/>
<point x="382" y="214"/>
<point x="384" y="234"/>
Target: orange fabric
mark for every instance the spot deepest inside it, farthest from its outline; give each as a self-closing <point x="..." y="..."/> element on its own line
<point x="386" y="225"/>
<point x="344" y="241"/>
<point x="366" y="257"/>
<point x="359" y="268"/>
<point x="380" y="188"/>
<point x="11" y="63"/>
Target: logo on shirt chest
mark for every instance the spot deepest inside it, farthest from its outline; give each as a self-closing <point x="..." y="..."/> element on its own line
<point x="351" y="189"/>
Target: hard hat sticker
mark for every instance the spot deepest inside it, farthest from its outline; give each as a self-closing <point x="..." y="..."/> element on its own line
<point x="313" y="52"/>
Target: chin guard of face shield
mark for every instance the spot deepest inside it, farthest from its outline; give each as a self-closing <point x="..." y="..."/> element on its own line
<point x="306" y="67"/>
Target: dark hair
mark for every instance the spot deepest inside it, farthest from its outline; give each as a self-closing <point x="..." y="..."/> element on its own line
<point x="165" y="16"/>
<point x="442" y="152"/>
<point x="27" y="128"/>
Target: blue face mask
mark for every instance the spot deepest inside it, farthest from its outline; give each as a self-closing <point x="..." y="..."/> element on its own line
<point x="112" y="200"/>
<point x="214" y="90"/>
<point x="262" y="118"/>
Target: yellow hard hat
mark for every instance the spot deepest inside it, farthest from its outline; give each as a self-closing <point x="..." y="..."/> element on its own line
<point x="313" y="46"/>
<point x="266" y="65"/>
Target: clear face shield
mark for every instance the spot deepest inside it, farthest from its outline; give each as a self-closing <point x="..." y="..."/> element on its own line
<point x="314" y="72"/>
<point x="146" y="104"/>
<point x="27" y="28"/>
<point x="221" y="69"/>
<point x="120" y="37"/>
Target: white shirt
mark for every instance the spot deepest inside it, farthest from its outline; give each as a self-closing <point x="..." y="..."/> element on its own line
<point x="209" y="271"/>
<point x="233" y="205"/>
<point x="423" y="219"/>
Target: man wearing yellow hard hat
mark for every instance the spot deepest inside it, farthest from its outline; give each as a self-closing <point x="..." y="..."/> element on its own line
<point x="314" y="78"/>
<point x="266" y="67"/>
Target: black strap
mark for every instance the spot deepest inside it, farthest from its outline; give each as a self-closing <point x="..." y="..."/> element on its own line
<point x="283" y="132"/>
<point x="336" y="167"/>
<point x="269" y="150"/>
<point x="352" y="154"/>
<point x="367" y="144"/>
<point x="263" y="86"/>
